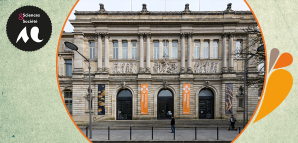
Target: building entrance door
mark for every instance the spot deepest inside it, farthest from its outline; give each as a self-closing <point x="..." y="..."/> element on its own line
<point x="124" y="105"/>
<point x="206" y="104"/>
<point x="165" y="102"/>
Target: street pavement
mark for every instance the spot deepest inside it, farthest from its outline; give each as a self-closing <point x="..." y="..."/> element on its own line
<point x="163" y="135"/>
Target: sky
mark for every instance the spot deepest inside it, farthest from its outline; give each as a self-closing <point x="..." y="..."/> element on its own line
<point x="155" y="5"/>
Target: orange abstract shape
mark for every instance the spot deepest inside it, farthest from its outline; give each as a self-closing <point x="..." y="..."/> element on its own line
<point x="279" y="85"/>
<point x="284" y="60"/>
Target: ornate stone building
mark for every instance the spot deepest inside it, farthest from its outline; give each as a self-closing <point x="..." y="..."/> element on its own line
<point x="186" y="61"/>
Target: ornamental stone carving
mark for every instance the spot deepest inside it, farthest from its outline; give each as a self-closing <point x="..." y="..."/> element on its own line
<point x="229" y="8"/>
<point x="186" y="9"/>
<point x="165" y="67"/>
<point x="144" y="9"/>
<point x="101" y="8"/>
<point x="94" y="37"/>
<point x="206" y="67"/>
<point x="124" y="68"/>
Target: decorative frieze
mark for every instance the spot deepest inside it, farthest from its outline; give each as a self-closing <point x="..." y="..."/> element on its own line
<point x="91" y="37"/>
<point x="124" y="68"/>
<point x="165" y="67"/>
<point x="206" y="67"/>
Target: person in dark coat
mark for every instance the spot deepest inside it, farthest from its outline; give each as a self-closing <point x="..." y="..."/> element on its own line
<point x="172" y="124"/>
<point x="233" y="120"/>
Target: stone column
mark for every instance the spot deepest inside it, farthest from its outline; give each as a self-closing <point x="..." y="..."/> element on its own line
<point x="106" y="66"/>
<point x="99" y="52"/>
<point x="148" y="53"/>
<point x="170" y="49"/>
<point x="231" y="36"/>
<point x="224" y="52"/>
<point x="160" y="49"/>
<point x="189" y="70"/>
<point x="211" y="49"/>
<point x="201" y="48"/>
<point x="129" y="49"/>
<point x="120" y="53"/>
<point x="141" y="69"/>
<point x="182" y="69"/>
<point x="78" y="59"/>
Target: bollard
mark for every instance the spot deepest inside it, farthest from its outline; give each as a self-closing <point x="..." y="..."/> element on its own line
<point x="130" y="132"/>
<point x="239" y="130"/>
<point x="87" y="131"/>
<point x="217" y="133"/>
<point x="152" y="132"/>
<point x="196" y="133"/>
<point x="174" y="132"/>
<point x="109" y="133"/>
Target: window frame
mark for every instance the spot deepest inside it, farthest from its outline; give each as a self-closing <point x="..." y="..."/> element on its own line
<point x="134" y="53"/>
<point x="155" y="50"/>
<point x="215" y="48"/>
<point x="68" y="101"/>
<point x="68" y="73"/>
<point x="197" y="49"/>
<point x="175" y="50"/>
<point x="206" y="49"/>
<point x="242" y="102"/>
<point x="115" y="50"/>
<point x="92" y="50"/>
<point x="124" y="50"/>
<point x="239" y="49"/>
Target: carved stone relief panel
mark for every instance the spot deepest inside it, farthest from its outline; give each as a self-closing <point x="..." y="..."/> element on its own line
<point x="206" y="67"/>
<point x="163" y="67"/>
<point x="124" y="68"/>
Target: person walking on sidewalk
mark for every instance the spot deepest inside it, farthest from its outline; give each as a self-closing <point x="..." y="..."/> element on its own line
<point x="232" y="120"/>
<point x="172" y="124"/>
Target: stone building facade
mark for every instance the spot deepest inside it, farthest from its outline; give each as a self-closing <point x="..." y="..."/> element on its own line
<point x="165" y="51"/>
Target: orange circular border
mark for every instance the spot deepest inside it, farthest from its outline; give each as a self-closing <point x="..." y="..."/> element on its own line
<point x="265" y="73"/>
<point x="57" y="72"/>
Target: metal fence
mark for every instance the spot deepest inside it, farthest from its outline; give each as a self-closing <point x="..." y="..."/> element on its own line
<point x="214" y="133"/>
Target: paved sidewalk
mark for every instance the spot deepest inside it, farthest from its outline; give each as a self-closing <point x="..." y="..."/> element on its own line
<point x="163" y="135"/>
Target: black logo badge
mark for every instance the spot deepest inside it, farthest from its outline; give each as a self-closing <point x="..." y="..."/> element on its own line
<point x="29" y="28"/>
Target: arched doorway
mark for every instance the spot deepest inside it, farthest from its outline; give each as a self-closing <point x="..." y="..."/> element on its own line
<point x="165" y="104"/>
<point x="206" y="104"/>
<point x="124" y="105"/>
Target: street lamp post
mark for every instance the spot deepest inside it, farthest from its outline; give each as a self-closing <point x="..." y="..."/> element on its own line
<point x="259" y="49"/>
<point x="74" y="47"/>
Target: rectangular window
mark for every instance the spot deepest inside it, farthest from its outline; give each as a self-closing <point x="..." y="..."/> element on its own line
<point x="134" y="49"/>
<point x="197" y="50"/>
<point x="238" y="49"/>
<point x="206" y="49"/>
<point x="68" y="67"/>
<point x="156" y="49"/>
<point x="124" y="49"/>
<point x="215" y="49"/>
<point x="115" y="49"/>
<point x="68" y="100"/>
<point x="175" y="49"/>
<point x="240" y="103"/>
<point x="165" y="48"/>
<point x="92" y="49"/>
